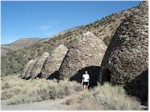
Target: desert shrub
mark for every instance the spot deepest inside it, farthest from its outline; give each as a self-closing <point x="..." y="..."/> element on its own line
<point x="17" y="100"/>
<point x="75" y="99"/>
<point x="107" y="40"/>
<point x="17" y="90"/>
<point x="78" y="103"/>
<point x="126" y="14"/>
<point x="9" y="82"/>
<point x="115" y="98"/>
<point x="88" y="104"/>
<point x="104" y="97"/>
<point x="9" y="93"/>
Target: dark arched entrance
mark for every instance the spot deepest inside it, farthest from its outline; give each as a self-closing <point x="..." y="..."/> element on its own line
<point x="106" y="75"/>
<point x="93" y="71"/>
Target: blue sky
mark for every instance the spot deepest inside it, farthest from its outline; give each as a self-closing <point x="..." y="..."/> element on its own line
<point x="43" y="19"/>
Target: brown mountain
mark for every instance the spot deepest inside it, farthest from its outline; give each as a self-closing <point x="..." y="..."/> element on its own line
<point x="19" y="44"/>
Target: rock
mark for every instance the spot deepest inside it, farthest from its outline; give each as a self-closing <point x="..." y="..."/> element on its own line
<point x="53" y="62"/>
<point x="86" y="52"/>
<point x="36" y="71"/>
<point x="126" y="58"/>
<point x="23" y="73"/>
<point x="28" y="73"/>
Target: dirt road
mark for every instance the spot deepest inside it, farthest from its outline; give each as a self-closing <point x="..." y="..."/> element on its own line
<point x="43" y="105"/>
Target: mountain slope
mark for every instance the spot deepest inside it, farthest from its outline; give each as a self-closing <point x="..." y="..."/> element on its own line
<point x="19" y="44"/>
<point x="105" y="28"/>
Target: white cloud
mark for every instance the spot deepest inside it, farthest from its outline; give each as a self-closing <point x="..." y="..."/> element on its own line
<point x="44" y="27"/>
<point x="54" y="22"/>
<point x="48" y="28"/>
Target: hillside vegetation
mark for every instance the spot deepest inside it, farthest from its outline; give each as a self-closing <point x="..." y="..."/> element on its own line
<point x="19" y="44"/>
<point x="14" y="61"/>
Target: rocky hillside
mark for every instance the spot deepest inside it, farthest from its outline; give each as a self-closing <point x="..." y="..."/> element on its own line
<point x="19" y="44"/>
<point x="105" y="28"/>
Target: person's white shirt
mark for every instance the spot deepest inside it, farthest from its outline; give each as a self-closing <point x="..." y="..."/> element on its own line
<point x="86" y="77"/>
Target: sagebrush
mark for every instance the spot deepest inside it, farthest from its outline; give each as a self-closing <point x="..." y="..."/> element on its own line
<point x="21" y="91"/>
<point x="103" y="97"/>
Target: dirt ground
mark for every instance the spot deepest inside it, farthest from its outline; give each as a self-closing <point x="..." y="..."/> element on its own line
<point x="57" y="104"/>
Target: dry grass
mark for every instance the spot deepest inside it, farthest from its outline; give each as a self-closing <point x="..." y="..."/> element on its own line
<point x="85" y="104"/>
<point x="103" y="97"/>
<point x="18" y="91"/>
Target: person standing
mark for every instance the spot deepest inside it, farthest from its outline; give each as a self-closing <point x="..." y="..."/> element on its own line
<point x="85" y="80"/>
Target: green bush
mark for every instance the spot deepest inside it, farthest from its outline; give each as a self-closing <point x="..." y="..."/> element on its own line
<point x="107" y="40"/>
